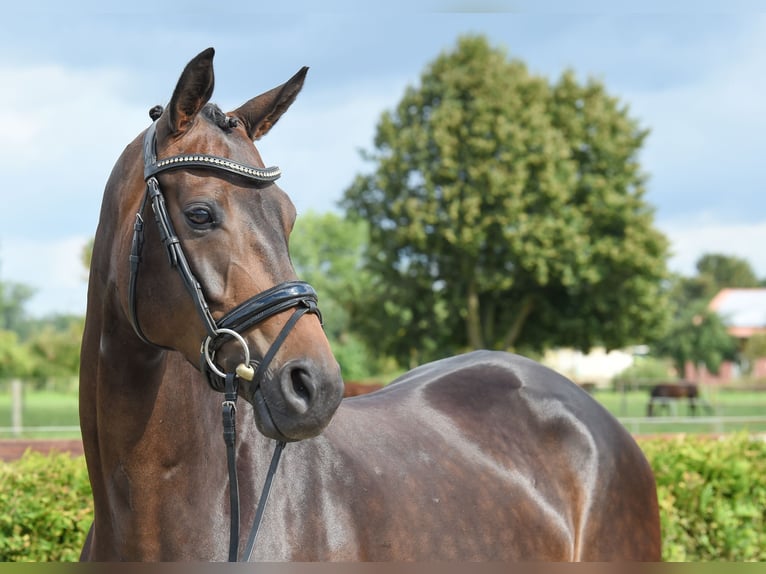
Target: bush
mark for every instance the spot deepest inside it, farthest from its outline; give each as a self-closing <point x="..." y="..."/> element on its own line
<point x="45" y="508"/>
<point x="712" y="495"/>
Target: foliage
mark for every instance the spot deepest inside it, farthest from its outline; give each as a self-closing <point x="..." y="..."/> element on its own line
<point x="326" y="251"/>
<point x="55" y="348"/>
<point x="50" y="352"/>
<point x="37" y="348"/>
<point x="45" y="508"/>
<point x="714" y="272"/>
<point x="696" y="335"/>
<point x="506" y="212"/>
<point x="13" y="297"/>
<point x="645" y="370"/>
<point x="15" y="358"/>
<point x="721" y="271"/>
<point x="712" y="495"/>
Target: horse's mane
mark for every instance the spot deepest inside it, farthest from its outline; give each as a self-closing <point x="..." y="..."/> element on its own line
<point x="211" y="111"/>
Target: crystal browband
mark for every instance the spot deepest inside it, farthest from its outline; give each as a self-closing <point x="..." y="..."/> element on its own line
<point x="201" y="160"/>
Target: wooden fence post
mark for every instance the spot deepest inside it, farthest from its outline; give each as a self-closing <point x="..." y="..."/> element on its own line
<point x="17" y="407"/>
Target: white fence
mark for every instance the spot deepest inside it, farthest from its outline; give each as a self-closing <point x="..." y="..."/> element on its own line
<point x="712" y="424"/>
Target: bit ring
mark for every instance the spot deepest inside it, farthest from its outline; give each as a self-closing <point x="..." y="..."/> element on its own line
<point x="210" y="356"/>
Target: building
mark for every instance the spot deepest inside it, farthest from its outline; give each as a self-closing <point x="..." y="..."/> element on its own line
<point x="743" y="311"/>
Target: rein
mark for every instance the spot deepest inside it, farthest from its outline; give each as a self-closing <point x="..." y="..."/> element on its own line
<point x="296" y="295"/>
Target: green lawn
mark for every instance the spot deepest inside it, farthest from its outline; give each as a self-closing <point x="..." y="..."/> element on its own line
<point x="43" y="409"/>
<point x="723" y="403"/>
<point x="59" y="409"/>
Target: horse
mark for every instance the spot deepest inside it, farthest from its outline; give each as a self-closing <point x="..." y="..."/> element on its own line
<point x="485" y="455"/>
<point x="664" y="393"/>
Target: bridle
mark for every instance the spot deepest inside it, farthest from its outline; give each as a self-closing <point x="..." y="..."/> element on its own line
<point x="296" y="295"/>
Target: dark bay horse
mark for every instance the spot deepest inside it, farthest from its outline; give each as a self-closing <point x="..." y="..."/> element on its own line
<point x="193" y="301"/>
<point x="663" y="393"/>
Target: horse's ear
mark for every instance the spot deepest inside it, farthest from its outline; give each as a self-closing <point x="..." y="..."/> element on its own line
<point x="193" y="91"/>
<point x="262" y="112"/>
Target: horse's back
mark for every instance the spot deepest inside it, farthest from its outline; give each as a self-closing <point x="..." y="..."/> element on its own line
<point x="533" y="452"/>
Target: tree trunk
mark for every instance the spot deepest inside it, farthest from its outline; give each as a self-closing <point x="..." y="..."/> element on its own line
<point x="525" y="309"/>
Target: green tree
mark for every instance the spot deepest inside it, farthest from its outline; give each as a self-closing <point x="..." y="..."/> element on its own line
<point x="327" y="251"/>
<point x="714" y="272"/>
<point x="15" y="358"/>
<point x="717" y="271"/>
<point x="13" y="298"/>
<point x="506" y="212"/>
<point x="699" y="336"/>
<point x="55" y="347"/>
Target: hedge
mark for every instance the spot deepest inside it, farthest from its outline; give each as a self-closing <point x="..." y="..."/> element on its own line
<point x="45" y="508"/>
<point x="712" y="496"/>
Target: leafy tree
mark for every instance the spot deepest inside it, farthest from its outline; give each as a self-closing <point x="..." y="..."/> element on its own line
<point x="36" y="347"/>
<point x="726" y="271"/>
<point x="714" y="272"/>
<point x="697" y="335"/>
<point x="505" y="212"/>
<point x="13" y="298"/>
<point x="326" y="251"/>
<point x="55" y="347"/>
<point x="15" y="358"/>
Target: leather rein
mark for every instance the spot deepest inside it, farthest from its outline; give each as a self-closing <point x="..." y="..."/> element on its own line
<point x="288" y="295"/>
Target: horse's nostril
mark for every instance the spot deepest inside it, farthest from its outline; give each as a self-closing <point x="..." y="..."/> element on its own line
<point x="300" y="388"/>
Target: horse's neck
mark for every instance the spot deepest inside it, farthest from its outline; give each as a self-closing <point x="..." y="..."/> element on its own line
<point x="153" y="440"/>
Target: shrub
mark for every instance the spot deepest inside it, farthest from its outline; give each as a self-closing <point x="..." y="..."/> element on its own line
<point x="45" y="508"/>
<point x="712" y="495"/>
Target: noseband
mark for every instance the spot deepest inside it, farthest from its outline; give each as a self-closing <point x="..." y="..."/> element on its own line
<point x="296" y="295"/>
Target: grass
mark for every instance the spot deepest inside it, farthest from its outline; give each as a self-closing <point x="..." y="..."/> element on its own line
<point x="723" y="403"/>
<point x="43" y="409"/>
<point x="56" y="408"/>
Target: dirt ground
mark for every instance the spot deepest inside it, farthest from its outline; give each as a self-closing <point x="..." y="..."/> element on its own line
<point x="11" y="449"/>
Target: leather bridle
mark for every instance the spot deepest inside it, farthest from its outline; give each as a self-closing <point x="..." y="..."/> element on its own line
<point x="296" y="295"/>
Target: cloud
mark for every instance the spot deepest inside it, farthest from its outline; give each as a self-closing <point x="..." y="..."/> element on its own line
<point x="316" y="143"/>
<point x="53" y="115"/>
<point x="61" y="130"/>
<point x="52" y="267"/>
<point x="692" y="238"/>
<point x="706" y="138"/>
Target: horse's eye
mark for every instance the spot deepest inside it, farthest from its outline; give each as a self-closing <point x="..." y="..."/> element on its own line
<point x="199" y="216"/>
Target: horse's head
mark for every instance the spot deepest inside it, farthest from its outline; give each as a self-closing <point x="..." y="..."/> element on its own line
<point x="216" y="268"/>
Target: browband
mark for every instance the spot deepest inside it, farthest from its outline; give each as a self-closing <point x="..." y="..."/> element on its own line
<point x="153" y="166"/>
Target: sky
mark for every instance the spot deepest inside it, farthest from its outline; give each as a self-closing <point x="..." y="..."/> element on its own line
<point x="78" y="79"/>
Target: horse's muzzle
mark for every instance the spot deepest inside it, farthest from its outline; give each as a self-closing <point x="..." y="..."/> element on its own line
<point x="297" y="401"/>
